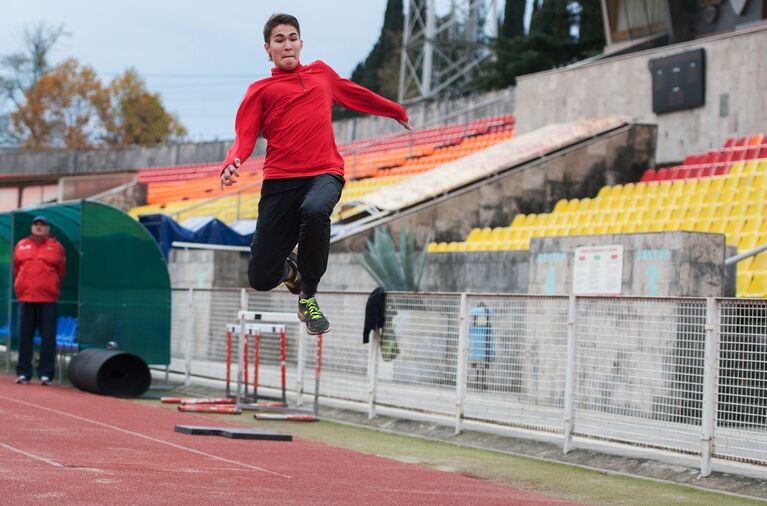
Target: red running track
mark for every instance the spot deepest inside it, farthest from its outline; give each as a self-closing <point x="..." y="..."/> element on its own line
<point x="62" y="446"/>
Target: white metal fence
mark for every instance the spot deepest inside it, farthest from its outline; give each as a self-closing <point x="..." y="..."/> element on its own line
<point x="682" y="375"/>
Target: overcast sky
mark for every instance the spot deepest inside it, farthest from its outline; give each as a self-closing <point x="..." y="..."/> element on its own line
<point x="200" y="55"/>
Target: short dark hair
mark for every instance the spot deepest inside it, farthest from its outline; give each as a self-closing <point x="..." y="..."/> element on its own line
<point x="280" y="18"/>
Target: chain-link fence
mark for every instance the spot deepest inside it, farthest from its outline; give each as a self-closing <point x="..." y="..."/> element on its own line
<point x="682" y="375"/>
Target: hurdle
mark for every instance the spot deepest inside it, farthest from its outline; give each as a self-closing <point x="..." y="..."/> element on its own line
<point x="269" y="322"/>
<point x="254" y="331"/>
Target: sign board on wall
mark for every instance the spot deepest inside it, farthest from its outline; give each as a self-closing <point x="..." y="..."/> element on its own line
<point x="598" y="270"/>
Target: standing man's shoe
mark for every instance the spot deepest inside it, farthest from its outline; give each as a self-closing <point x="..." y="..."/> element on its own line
<point x="22" y="380"/>
<point x="309" y="313"/>
<point x="294" y="283"/>
<point x="45" y="380"/>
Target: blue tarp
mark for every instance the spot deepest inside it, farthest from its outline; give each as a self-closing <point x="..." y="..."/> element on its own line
<point x="165" y="231"/>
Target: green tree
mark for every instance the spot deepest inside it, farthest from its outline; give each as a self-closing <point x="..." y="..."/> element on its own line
<point x="133" y="115"/>
<point x="591" y="33"/>
<point x="379" y="71"/>
<point x="514" y="19"/>
<point x="561" y="32"/>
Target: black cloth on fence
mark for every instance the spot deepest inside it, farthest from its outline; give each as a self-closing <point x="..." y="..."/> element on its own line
<point x="375" y="312"/>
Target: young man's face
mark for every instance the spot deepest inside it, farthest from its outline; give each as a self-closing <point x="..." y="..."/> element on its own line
<point x="284" y="46"/>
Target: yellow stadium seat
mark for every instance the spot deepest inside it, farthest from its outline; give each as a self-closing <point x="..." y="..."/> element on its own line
<point x="560" y="206"/>
<point x="628" y="190"/>
<point x="643" y="226"/>
<point x="572" y="205"/>
<point x="518" y="221"/>
<point x="432" y="248"/>
<point x="485" y="234"/>
<point x="747" y="242"/>
<point x="716" y="185"/>
<point x="677" y="213"/>
<point x="759" y="264"/>
<point x="739" y="209"/>
<point x="750" y="167"/>
<point x="744" y="279"/>
<point x="737" y="168"/>
<point x="688" y="224"/>
<point x="474" y="235"/>
<point x="718" y="225"/>
<point x="752" y="225"/>
<point x="730" y="183"/>
<point x="757" y="288"/>
<point x="672" y="225"/>
<point x="605" y="191"/>
<point x="586" y="204"/>
<point x="722" y="210"/>
<point x="704" y="184"/>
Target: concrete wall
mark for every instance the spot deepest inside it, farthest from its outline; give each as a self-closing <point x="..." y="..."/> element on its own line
<point x="667" y="264"/>
<point x="577" y="172"/>
<point x="736" y="101"/>
<point x="197" y="268"/>
<point x="497" y="271"/>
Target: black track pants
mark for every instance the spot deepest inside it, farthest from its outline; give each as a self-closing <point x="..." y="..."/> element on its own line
<point x="40" y="316"/>
<point x="293" y="211"/>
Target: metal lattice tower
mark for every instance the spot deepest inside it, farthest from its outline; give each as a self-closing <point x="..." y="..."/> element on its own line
<point x="441" y="53"/>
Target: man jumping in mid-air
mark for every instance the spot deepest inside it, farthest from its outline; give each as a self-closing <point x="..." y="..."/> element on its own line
<point x="303" y="171"/>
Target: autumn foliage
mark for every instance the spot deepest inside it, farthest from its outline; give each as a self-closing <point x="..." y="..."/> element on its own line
<point x="69" y="107"/>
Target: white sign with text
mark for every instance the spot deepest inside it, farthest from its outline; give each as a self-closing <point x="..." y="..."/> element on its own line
<point x="598" y="270"/>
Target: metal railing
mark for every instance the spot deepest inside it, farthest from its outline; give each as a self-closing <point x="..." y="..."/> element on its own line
<point x="681" y="375"/>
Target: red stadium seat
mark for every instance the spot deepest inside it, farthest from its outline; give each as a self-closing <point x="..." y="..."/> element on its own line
<point x="661" y="174"/>
<point x="649" y="175"/>
<point x="673" y="173"/>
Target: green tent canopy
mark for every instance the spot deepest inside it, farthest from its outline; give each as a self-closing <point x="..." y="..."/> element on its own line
<point x="117" y="282"/>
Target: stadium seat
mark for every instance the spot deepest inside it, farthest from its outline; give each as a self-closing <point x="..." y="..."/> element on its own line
<point x="757" y="288"/>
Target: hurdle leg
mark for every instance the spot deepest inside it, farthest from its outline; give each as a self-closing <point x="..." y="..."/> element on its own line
<point x="283" y="365"/>
<point x="256" y="362"/>
<point x="228" y="362"/>
<point x="317" y="370"/>
<point x="246" y="366"/>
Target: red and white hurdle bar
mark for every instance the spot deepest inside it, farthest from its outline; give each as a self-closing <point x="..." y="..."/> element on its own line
<point x="253" y="331"/>
<point x="289" y="414"/>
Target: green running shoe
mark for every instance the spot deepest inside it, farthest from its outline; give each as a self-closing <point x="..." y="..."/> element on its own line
<point x="309" y="313"/>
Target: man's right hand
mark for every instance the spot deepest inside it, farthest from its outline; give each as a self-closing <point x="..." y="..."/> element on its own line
<point x="229" y="175"/>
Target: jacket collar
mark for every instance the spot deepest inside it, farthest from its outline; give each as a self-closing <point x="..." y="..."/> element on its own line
<point x="277" y="71"/>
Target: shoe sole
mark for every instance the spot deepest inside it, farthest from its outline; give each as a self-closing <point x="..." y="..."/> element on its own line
<point x="301" y="317"/>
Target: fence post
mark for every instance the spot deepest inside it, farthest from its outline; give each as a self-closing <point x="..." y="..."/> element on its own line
<point x="373" y="352"/>
<point x="569" y="414"/>
<point x="300" y="364"/>
<point x="710" y="386"/>
<point x="463" y="362"/>
<point x="189" y="337"/>
<point x="241" y="375"/>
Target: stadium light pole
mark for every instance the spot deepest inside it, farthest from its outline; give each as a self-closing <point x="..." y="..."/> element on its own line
<point x="440" y="54"/>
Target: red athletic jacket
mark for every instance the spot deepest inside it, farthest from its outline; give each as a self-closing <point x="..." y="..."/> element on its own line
<point x="38" y="269"/>
<point x="293" y="111"/>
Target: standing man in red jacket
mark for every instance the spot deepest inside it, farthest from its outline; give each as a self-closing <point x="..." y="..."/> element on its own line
<point x="39" y="265"/>
<point x="303" y="171"/>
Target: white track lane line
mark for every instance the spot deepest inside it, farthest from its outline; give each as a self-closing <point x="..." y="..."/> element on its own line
<point x="150" y="438"/>
<point x="30" y="455"/>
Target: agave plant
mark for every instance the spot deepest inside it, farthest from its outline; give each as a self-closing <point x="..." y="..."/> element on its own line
<point x="394" y="268"/>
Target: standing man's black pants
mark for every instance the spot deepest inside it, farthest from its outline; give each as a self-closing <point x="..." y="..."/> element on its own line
<point x="40" y="316"/>
<point x="291" y="211"/>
